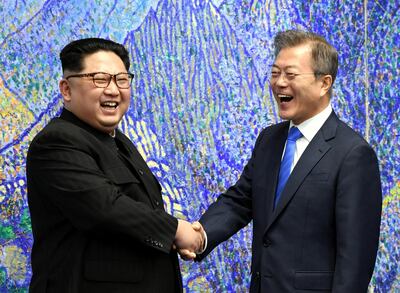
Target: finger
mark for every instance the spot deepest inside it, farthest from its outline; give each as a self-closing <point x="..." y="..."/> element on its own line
<point x="187" y="258"/>
<point x="186" y="254"/>
<point x="197" y="226"/>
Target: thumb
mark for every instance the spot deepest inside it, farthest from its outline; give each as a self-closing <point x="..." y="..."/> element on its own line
<point x="197" y="226"/>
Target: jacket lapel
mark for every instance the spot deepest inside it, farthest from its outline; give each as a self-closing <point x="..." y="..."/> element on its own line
<point x="271" y="160"/>
<point x="316" y="149"/>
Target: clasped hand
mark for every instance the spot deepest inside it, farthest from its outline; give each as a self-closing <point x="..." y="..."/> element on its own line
<point x="189" y="239"/>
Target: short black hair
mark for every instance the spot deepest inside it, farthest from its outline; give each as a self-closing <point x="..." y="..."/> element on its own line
<point x="72" y="55"/>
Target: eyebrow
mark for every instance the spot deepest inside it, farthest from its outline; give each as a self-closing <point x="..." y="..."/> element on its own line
<point x="285" y="68"/>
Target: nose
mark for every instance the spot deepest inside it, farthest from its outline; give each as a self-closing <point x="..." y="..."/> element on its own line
<point x="281" y="80"/>
<point x="112" y="87"/>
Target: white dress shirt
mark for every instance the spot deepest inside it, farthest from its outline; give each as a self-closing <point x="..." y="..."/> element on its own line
<point x="309" y="129"/>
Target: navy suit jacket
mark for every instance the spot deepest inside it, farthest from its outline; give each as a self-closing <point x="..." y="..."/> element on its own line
<point x="97" y="214"/>
<point x="323" y="234"/>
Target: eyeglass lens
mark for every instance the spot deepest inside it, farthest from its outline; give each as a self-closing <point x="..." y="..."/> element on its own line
<point x="122" y="80"/>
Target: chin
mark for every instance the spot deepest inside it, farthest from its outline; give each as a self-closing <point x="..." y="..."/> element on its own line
<point x="107" y="126"/>
<point x="110" y="121"/>
<point x="110" y="127"/>
<point x="285" y="116"/>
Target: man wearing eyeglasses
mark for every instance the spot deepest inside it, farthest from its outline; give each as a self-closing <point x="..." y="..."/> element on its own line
<point x="312" y="186"/>
<point x="97" y="214"/>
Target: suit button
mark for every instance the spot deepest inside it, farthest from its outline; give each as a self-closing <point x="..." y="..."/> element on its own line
<point x="157" y="203"/>
<point x="141" y="172"/>
<point x="267" y="243"/>
<point x="257" y="275"/>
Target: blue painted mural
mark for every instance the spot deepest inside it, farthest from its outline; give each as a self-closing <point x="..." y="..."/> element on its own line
<point x="199" y="99"/>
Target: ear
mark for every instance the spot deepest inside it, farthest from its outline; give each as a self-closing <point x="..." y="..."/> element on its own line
<point x="65" y="90"/>
<point x="326" y="81"/>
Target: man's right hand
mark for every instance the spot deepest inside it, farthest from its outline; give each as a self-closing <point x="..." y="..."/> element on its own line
<point x="189" y="239"/>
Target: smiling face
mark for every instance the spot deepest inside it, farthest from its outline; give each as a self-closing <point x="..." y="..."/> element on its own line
<point x="301" y="96"/>
<point x="101" y="108"/>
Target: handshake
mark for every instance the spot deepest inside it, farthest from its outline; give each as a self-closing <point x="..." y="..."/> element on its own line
<point x="189" y="239"/>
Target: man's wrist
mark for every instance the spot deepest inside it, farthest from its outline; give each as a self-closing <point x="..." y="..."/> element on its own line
<point x="205" y="242"/>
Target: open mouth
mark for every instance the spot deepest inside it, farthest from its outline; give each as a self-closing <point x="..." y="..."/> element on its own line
<point x="109" y="105"/>
<point x="285" y="98"/>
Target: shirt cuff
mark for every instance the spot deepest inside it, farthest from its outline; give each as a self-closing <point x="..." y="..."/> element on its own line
<point x="205" y="243"/>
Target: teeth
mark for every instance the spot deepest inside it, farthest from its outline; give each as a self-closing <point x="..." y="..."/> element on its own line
<point x="110" y="104"/>
<point x="284" y="96"/>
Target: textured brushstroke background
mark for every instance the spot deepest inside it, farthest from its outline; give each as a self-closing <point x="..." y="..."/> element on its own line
<point x="199" y="100"/>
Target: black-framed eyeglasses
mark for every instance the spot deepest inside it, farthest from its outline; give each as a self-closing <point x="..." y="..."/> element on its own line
<point x="123" y="80"/>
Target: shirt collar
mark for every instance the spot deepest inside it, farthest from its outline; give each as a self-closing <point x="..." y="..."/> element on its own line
<point x="311" y="126"/>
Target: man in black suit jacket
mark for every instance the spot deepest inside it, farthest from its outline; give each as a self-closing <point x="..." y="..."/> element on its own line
<point x="97" y="214"/>
<point x="320" y="232"/>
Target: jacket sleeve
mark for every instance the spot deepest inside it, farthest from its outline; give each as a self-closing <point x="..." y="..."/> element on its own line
<point x="66" y="181"/>
<point x="233" y="209"/>
<point x="358" y="214"/>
